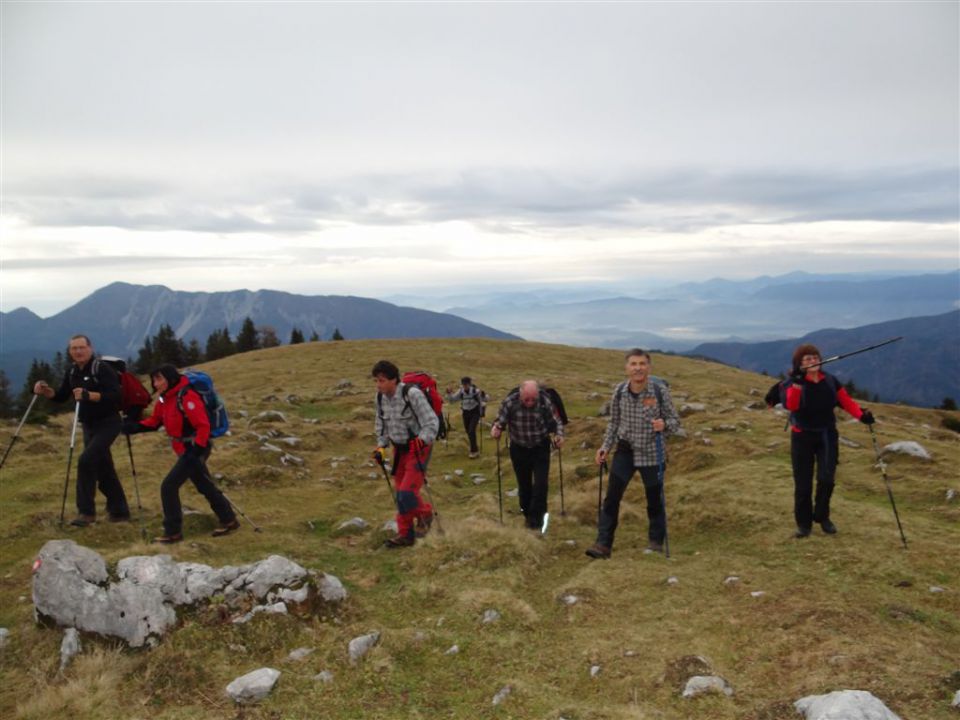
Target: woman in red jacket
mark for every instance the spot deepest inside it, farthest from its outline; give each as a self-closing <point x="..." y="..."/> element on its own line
<point x="811" y="396"/>
<point x="180" y="410"/>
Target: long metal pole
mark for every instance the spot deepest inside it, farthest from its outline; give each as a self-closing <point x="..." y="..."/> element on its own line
<point x="136" y="486"/>
<point x="855" y="352"/>
<point x="16" y="435"/>
<point x="883" y="471"/>
<point x="563" y="510"/>
<point x="73" y="441"/>
<point x="499" y="482"/>
<point x="663" y="493"/>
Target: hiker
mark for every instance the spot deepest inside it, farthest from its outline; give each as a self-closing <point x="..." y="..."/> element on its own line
<point x="94" y="386"/>
<point x="810" y="395"/>
<point x="181" y="412"/>
<point x="530" y="417"/>
<point x="405" y="420"/>
<point x="640" y="408"/>
<point x="472" y="404"/>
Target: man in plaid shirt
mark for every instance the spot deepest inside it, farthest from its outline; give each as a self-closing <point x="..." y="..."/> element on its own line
<point x="530" y="417"/>
<point x="639" y="409"/>
<point x="405" y="420"/>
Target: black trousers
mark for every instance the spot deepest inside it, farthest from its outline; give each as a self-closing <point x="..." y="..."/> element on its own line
<point x="532" y="468"/>
<point x="95" y="469"/>
<point x="471" y="419"/>
<point x="190" y="467"/>
<point x="621" y="472"/>
<point x="810" y="448"/>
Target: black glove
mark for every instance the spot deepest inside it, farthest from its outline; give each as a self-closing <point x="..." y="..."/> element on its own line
<point x="867" y="418"/>
<point x="194" y="450"/>
<point x="132" y="428"/>
<point x="773" y="395"/>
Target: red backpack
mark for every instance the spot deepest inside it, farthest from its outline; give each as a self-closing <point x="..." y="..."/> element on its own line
<point x="428" y="386"/>
<point x="134" y="397"/>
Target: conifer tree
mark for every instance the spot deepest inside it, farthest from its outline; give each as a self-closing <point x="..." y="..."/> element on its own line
<point x="296" y="337"/>
<point x="336" y="334"/>
<point x="7" y="408"/>
<point x="247" y="339"/>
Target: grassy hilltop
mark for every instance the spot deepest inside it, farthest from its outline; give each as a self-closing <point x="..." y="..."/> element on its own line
<point x="850" y="611"/>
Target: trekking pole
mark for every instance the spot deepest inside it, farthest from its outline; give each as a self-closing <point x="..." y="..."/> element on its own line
<point x="499" y="482"/>
<point x="242" y="513"/>
<point x="856" y="352"/>
<point x="563" y="510"/>
<point x="19" y="428"/>
<point x="386" y="477"/>
<point x="136" y="486"/>
<point x="663" y="493"/>
<point x="73" y="441"/>
<point x="426" y="486"/>
<point x="883" y="471"/>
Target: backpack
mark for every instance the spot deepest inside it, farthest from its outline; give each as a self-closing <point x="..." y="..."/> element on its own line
<point x="829" y="379"/>
<point x="202" y="384"/>
<point x="549" y="420"/>
<point x="658" y="384"/>
<point x="134" y="397"/>
<point x="428" y="386"/>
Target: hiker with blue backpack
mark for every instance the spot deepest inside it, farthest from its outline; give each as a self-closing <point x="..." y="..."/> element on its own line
<point x="641" y="415"/>
<point x="184" y="415"/>
<point x="810" y="395"/>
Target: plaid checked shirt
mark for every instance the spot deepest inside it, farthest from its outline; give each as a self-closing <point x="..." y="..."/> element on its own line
<point x="402" y="420"/>
<point x="631" y="419"/>
<point x="527" y="426"/>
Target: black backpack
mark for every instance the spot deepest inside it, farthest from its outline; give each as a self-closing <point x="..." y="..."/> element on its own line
<point x="548" y="419"/>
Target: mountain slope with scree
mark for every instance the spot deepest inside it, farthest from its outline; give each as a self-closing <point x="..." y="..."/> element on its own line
<point x="778" y="618"/>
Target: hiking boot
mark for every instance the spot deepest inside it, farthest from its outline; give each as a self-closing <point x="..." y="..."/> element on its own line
<point x="169" y="539"/>
<point x="802" y="531"/>
<point x="83" y="520"/>
<point x="598" y="552"/>
<point x="473" y="455"/>
<point x="119" y="518"/>
<point x="226" y="528"/>
<point x="423" y="525"/>
<point x="653" y="547"/>
<point x="399" y="541"/>
<point x="828" y="527"/>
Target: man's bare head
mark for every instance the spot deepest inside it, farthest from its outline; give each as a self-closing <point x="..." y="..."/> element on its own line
<point x="529" y="392"/>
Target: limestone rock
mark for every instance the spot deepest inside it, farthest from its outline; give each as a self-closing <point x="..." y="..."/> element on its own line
<point x="701" y="684"/>
<point x="69" y="647"/>
<point x="331" y="589"/>
<point x="502" y="695"/>
<point x="4" y="637"/>
<point x="299" y="653"/>
<point x="275" y="570"/>
<point x="353" y="525"/>
<point x="361" y="645"/>
<point x="844" y="705"/>
<point x="907" y="447"/>
<point x="324" y="676"/>
<point x="490" y="616"/>
<point x="253" y="686"/>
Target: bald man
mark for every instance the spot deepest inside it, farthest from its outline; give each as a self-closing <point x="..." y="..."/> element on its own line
<point x="530" y="417"/>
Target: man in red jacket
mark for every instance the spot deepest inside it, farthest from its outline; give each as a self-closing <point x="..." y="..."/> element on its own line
<point x="180" y="410"/>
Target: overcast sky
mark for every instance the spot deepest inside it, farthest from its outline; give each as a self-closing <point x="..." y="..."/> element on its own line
<point x="375" y="148"/>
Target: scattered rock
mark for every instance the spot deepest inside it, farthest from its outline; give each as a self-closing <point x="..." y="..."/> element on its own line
<point x="956" y="700"/>
<point x="268" y="416"/>
<point x="299" y="653"/>
<point x="479" y="480"/>
<point x="452" y="650"/>
<point x="690" y="408"/>
<point x="330" y="589"/>
<point x="343" y="385"/>
<point x="852" y="704"/>
<point x="907" y="447"/>
<point x="702" y="684"/>
<point x="69" y="647"/>
<point x="936" y="589"/>
<point x="277" y="608"/>
<point x="679" y="671"/>
<point x="673" y="580"/>
<point x="755" y="405"/>
<point x="731" y="580"/>
<point x="951" y="494"/>
<point x="324" y="676"/>
<point x="758" y="593"/>
<point x="253" y="686"/>
<point x="458" y="472"/>
<point x="569" y="599"/>
<point x="512" y="493"/>
<point x="490" y="616"/>
<point x="361" y="645"/>
<point x="291" y="459"/>
<point x="594" y="670"/>
<point x="725" y="428"/>
<point x="502" y="694"/>
<point x="270" y="447"/>
<point x="4" y="637"/>
<point x="849" y="443"/>
<point x="293" y="399"/>
<point x="353" y="525"/>
<point x="390" y="526"/>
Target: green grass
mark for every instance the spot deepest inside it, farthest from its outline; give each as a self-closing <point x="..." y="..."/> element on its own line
<point x="836" y="612"/>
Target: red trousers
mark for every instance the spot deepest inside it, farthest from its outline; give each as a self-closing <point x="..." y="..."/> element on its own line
<point x="408" y="478"/>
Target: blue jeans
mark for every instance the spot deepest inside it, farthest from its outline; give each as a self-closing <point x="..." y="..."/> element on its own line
<point x="621" y="472"/>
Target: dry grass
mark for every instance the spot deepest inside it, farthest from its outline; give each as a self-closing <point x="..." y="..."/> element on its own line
<point x="853" y="610"/>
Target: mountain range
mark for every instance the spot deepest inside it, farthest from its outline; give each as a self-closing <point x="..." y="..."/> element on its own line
<point x="119" y="317"/>
<point x="920" y="369"/>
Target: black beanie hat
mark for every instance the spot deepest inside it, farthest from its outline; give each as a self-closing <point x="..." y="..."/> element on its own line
<point x="169" y="373"/>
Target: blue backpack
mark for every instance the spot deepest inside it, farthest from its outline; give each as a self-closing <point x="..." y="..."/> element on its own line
<point x="202" y="384"/>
